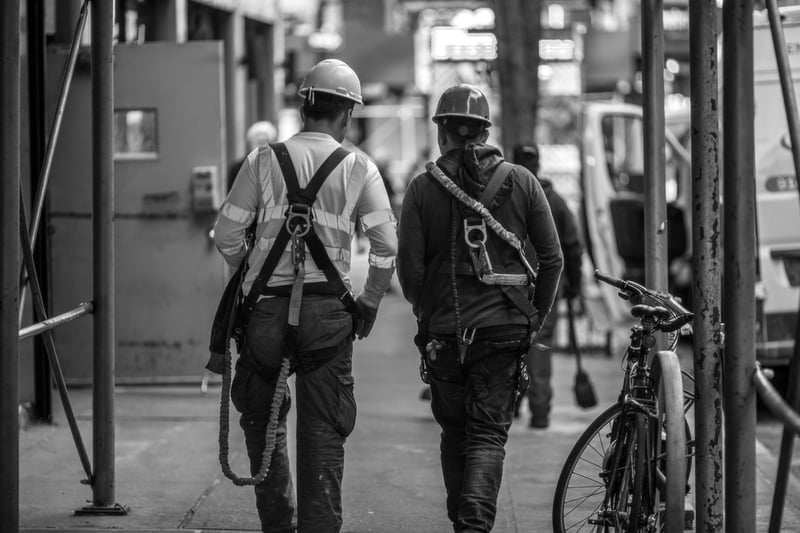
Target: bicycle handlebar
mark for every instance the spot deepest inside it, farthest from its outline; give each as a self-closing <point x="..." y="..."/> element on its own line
<point x="630" y="290"/>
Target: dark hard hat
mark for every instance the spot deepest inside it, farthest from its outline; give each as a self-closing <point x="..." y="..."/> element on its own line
<point x="463" y="101"/>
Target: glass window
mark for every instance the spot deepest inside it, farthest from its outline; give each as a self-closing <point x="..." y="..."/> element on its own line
<point x="623" y="140"/>
<point x="135" y="134"/>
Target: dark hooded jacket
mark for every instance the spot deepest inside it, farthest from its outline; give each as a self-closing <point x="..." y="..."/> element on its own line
<point x="431" y="222"/>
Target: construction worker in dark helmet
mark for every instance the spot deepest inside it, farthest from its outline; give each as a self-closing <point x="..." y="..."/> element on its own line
<point x="540" y="359"/>
<point x="304" y="306"/>
<point x="477" y="300"/>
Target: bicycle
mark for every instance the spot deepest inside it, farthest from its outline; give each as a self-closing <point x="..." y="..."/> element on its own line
<point x="629" y="470"/>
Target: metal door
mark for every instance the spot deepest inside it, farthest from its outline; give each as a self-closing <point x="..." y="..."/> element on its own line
<point x="169" y="155"/>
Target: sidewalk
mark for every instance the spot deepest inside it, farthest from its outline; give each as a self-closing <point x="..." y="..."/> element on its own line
<point x="167" y="470"/>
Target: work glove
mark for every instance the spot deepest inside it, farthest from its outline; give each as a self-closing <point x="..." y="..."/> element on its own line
<point x="365" y="319"/>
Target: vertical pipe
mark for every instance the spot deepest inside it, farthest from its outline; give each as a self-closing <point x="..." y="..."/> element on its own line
<point x="103" y="249"/>
<point x="706" y="266"/>
<point x="655" y="206"/>
<point x="10" y="101"/>
<point x="793" y="394"/>
<point x="43" y="404"/>
<point x="740" y="266"/>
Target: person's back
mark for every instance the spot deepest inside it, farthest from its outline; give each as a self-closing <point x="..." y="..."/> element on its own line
<point x="470" y="289"/>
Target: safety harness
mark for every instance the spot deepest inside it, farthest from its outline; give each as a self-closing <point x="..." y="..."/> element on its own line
<point x="298" y="228"/>
<point x="476" y="217"/>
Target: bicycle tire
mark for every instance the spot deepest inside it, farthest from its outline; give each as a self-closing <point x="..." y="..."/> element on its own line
<point x="668" y="440"/>
<point x="575" y="504"/>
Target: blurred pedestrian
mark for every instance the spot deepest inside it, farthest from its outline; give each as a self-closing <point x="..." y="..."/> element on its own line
<point x="317" y="336"/>
<point x="540" y="360"/>
<point x="470" y="287"/>
<point x="259" y="133"/>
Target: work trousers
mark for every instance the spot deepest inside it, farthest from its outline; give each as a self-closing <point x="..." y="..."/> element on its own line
<point x="473" y="403"/>
<point x="540" y="368"/>
<point x="326" y="412"/>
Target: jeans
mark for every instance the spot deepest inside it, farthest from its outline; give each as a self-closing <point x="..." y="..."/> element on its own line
<point x="473" y="403"/>
<point x="540" y="368"/>
<point x="326" y="413"/>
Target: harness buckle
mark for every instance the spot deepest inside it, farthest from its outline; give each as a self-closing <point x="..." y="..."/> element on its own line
<point x="476" y="229"/>
<point x="298" y="219"/>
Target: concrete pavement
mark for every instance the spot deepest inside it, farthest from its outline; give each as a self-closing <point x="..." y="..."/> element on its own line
<point x="168" y="475"/>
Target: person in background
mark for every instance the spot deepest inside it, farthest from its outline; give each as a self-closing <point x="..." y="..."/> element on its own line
<point x="540" y="360"/>
<point x="352" y="194"/>
<point x="260" y="133"/>
<point x="472" y="334"/>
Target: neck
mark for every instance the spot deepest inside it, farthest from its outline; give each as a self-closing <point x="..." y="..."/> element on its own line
<point x="332" y="128"/>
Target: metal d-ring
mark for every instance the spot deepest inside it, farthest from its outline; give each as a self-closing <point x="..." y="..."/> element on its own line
<point x="469" y="229"/>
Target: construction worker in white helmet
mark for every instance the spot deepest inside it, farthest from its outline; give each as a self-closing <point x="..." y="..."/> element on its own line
<point x="302" y="313"/>
<point x="258" y="134"/>
<point x="478" y="301"/>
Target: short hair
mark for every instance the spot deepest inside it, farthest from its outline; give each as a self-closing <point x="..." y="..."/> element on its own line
<point x="320" y="106"/>
<point x="527" y="155"/>
<point x="463" y="128"/>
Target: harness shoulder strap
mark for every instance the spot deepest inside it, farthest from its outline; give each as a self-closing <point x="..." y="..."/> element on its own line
<point x="495" y="182"/>
<point x="306" y="196"/>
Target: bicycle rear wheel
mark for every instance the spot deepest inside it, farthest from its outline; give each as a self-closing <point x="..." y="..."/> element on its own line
<point x="600" y="485"/>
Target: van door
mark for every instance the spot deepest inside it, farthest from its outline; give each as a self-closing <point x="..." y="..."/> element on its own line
<point x="169" y="154"/>
<point x="613" y="197"/>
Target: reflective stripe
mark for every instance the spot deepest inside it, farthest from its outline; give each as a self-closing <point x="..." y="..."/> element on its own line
<point x="233" y="250"/>
<point x="376" y="218"/>
<point x="237" y="214"/>
<point x="334" y="252"/>
<point x="380" y="261"/>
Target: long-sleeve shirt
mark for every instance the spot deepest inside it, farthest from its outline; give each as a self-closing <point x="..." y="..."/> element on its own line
<point x="352" y="194"/>
<point x="426" y="226"/>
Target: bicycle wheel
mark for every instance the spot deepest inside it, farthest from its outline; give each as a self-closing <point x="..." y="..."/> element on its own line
<point x="664" y="497"/>
<point x="600" y="484"/>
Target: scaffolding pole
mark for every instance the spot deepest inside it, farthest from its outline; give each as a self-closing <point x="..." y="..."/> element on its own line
<point x="10" y="102"/>
<point x="706" y="266"/>
<point x="103" y="482"/>
<point x="740" y="267"/>
<point x="655" y="203"/>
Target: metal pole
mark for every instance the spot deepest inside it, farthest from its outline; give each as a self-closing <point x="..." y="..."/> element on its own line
<point x="66" y="82"/>
<point x="10" y="101"/>
<point x="43" y="404"/>
<point x="793" y="393"/>
<point x="53" y="322"/>
<point x="48" y="343"/>
<point x="655" y="203"/>
<point x="740" y="267"/>
<point x="103" y="250"/>
<point x="706" y="266"/>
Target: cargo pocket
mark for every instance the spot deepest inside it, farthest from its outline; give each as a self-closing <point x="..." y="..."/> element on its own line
<point x="239" y="389"/>
<point x="345" y="419"/>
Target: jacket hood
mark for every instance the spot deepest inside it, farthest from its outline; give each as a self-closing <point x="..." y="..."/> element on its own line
<point x="472" y="167"/>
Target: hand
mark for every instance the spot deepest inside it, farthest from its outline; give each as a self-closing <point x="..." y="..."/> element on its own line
<point x="365" y="319"/>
